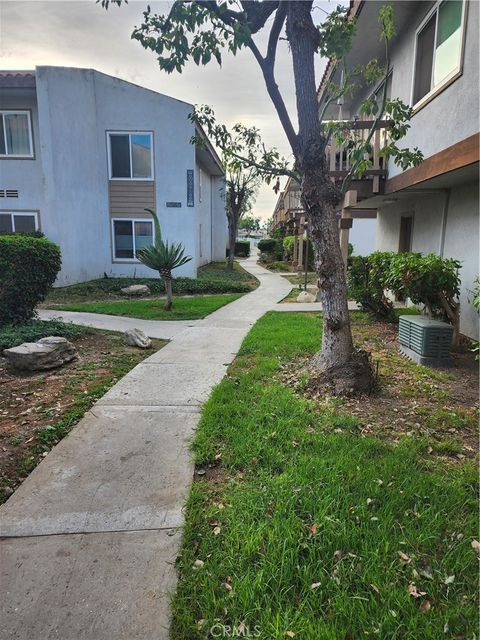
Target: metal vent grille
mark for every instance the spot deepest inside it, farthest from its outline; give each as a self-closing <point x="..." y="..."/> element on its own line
<point x="428" y="338"/>
<point x="8" y="193"/>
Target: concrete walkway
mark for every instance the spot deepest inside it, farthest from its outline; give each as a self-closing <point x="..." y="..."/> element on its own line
<point x="90" y="538"/>
<point x="162" y="329"/>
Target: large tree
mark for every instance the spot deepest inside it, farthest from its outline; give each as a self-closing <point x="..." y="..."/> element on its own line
<point x="201" y="30"/>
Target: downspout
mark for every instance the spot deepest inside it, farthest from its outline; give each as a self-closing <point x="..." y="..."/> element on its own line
<point x="443" y="228"/>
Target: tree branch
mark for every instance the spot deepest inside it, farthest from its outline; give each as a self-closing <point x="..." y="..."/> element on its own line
<point x="277" y="27"/>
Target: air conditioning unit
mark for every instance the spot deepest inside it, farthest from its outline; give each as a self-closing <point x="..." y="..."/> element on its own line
<point x="426" y="341"/>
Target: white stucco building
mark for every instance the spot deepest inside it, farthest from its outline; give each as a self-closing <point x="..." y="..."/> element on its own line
<point x="432" y="208"/>
<point x="83" y="154"/>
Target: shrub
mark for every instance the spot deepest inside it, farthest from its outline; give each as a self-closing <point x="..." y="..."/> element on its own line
<point x="242" y="248"/>
<point x="268" y="245"/>
<point x="429" y="280"/>
<point x="11" y="335"/>
<point x="366" y="283"/>
<point x="28" y="268"/>
<point x="288" y="243"/>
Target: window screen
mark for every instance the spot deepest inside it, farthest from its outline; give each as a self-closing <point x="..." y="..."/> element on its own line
<point x="424" y="60"/>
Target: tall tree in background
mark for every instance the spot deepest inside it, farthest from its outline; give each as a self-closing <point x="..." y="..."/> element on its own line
<point x="200" y="30"/>
<point x="250" y="224"/>
<point x="240" y="190"/>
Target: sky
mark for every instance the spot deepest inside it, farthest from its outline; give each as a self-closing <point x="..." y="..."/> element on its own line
<point x="82" y="34"/>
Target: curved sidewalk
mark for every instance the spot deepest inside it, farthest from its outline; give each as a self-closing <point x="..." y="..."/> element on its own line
<point x="90" y="538"/>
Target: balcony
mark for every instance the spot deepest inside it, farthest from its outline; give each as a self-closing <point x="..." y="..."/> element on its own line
<point x="289" y="212"/>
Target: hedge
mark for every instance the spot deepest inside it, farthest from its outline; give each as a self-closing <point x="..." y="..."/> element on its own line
<point x="267" y="245"/>
<point x="28" y="268"/>
<point x="242" y="248"/>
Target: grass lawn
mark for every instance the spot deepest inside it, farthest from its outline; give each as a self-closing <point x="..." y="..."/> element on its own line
<point x="308" y="521"/>
<point x="300" y="278"/>
<point x="188" y="308"/>
<point x="38" y="409"/>
<point x="213" y="278"/>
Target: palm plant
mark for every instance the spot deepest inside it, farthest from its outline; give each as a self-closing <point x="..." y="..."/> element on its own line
<point x="164" y="258"/>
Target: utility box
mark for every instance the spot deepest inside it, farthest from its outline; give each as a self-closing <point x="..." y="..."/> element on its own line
<point x="426" y="341"/>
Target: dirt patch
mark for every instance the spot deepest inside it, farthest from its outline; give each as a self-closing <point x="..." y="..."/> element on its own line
<point x="34" y="405"/>
<point x="439" y="406"/>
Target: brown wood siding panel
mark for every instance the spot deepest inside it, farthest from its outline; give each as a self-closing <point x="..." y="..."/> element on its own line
<point x="458" y="155"/>
<point x="131" y="197"/>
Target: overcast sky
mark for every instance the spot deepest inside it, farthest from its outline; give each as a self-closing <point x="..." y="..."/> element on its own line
<point x="82" y="34"/>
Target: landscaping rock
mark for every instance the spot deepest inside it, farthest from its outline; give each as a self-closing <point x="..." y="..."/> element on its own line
<point x="46" y="353"/>
<point x="306" y="297"/>
<point x="136" y="338"/>
<point x="136" y="290"/>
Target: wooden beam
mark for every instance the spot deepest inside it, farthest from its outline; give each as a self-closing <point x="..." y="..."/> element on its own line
<point x="457" y="156"/>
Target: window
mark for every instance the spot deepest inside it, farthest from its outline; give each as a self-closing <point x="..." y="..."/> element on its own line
<point x="16" y="134"/>
<point x="129" y="236"/>
<point x="131" y="156"/>
<point x="438" y="54"/>
<point x="16" y="222"/>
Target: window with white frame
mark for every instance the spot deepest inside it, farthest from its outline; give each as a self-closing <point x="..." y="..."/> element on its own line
<point x="438" y="49"/>
<point x="16" y="134"/>
<point x="130" y="235"/>
<point x="130" y="155"/>
<point x="18" y="222"/>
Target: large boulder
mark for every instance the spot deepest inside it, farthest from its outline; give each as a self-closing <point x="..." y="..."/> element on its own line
<point x="306" y="297"/>
<point x="136" y="338"/>
<point x="46" y="353"/>
<point x="136" y="290"/>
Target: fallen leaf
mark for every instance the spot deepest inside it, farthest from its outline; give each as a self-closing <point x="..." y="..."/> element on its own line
<point x="227" y="586"/>
<point x="369" y="501"/>
<point x="216" y="531"/>
<point x="337" y="556"/>
<point x="315" y="585"/>
<point x="475" y="545"/>
<point x="425" y="606"/>
<point x="404" y="557"/>
<point x="290" y="634"/>
<point x="414" y="592"/>
<point x="198" y="563"/>
<point x="200" y="623"/>
<point x="449" y="580"/>
<point x="376" y="589"/>
<point x="313" y="528"/>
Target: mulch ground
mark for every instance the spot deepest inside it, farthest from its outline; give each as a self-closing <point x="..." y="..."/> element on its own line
<point x="30" y="402"/>
<point x="441" y="406"/>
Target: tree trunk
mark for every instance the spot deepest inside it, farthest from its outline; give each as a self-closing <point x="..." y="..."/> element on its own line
<point x="167" y="279"/>
<point x="232" y="236"/>
<point x="346" y="369"/>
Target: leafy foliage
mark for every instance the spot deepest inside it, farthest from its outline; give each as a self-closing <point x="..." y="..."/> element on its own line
<point x="429" y="280"/>
<point x="366" y="283"/>
<point x="11" y="335"/>
<point x="28" y="268"/>
<point x="162" y="256"/>
<point x="250" y="223"/>
<point x="268" y="245"/>
<point x="242" y="248"/>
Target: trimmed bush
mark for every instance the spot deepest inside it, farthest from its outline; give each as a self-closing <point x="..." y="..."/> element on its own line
<point x="279" y="266"/>
<point x="28" y="268"/>
<point x="288" y="243"/>
<point x="242" y="248"/>
<point x="268" y="245"/>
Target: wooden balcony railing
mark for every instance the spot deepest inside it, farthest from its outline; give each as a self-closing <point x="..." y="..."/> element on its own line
<point x="289" y="210"/>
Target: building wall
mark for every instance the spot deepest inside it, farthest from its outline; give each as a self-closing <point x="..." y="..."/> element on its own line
<point x="25" y="175"/>
<point x="447" y="119"/>
<point x="451" y="232"/>
<point x="68" y="181"/>
<point x="362" y="236"/>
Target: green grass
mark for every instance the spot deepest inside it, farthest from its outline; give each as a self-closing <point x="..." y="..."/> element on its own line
<point x="212" y="279"/>
<point x="300" y="278"/>
<point x="304" y="520"/>
<point x="189" y="308"/>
